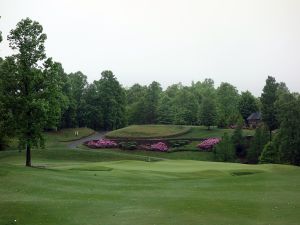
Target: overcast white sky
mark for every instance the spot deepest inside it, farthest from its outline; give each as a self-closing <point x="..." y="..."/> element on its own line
<point x="170" y="41"/>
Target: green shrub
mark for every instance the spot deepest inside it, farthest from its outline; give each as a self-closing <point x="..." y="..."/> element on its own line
<point x="238" y="140"/>
<point x="270" y="154"/>
<point x="178" y="143"/>
<point x="260" y="139"/>
<point x="130" y="145"/>
<point x="224" y="151"/>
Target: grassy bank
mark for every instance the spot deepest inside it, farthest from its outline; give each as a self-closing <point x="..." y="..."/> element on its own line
<point x="148" y="131"/>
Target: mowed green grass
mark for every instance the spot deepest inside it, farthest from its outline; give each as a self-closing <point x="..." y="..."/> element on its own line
<point x="112" y="187"/>
<point x="203" y="132"/>
<point x="75" y="187"/>
<point x="148" y="131"/>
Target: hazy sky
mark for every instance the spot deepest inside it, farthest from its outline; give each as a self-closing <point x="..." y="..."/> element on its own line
<point x="170" y="41"/>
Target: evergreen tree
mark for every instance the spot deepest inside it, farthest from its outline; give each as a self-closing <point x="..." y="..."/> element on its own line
<point x="238" y="139"/>
<point x="289" y="134"/>
<point x="258" y="143"/>
<point x="112" y="101"/>
<point x="268" y="99"/>
<point x="269" y="154"/>
<point x="224" y="151"/>
<point x="247" y="105"/>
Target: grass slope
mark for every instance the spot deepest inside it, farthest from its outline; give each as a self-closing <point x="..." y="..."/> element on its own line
<point x="148" y="131"/>
<point x="170" y="131"/>
<point x="55" y="138"/>
<point x="202" y="132"/>
<point x="69" y="134"/>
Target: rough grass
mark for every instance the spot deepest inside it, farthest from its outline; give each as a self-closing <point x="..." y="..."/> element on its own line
<point x="149" y="131"/>
<point x="69" y="134"/>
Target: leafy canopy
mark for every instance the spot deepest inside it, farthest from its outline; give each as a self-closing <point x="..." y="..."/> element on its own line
<point x="31" y="83"/>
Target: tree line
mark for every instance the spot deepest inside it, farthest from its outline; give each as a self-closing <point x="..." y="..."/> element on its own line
<point x="37" y="94"/>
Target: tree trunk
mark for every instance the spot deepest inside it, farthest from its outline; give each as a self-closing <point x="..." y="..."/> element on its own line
<point x="270" y="135"/>
<point x="28" y="155"/>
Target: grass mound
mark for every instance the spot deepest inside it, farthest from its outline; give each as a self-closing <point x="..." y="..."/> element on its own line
<point x="170" y="132"/>
<point x="148" y="131"/>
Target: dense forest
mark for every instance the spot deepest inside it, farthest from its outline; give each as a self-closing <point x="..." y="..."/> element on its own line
<point x="36" y="94"/>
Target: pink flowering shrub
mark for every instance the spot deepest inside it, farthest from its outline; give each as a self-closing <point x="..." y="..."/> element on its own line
<point x="102" y="143"/>
<point x="208" y="143"/>
<point x="159" y="146"/>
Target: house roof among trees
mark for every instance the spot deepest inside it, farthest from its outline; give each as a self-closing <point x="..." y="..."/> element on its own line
<point x="254" y="116"/>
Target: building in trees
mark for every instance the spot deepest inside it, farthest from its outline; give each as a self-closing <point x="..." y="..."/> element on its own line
<point x="254" y="120"/>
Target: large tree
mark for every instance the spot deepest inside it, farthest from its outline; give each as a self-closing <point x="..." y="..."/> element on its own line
<point x="152" y="97"/>
<point x="74" y="88"/>
<point x="165" y="110"/>
<point x="112" y="101"/>
<point x="227" y="102"/>
<point x="186" y="107"/>
<point x="135" y="104"/>
<point x="203" y="89"/>
<point x="31" y="85"/>
<point x="5" y="116"/>
<point x="208" y="112"/>
<point x="6" y="120"/>
<point x="268" y="99"/>
<point x="247" y="105"/>
<point x="93" y="110"/>
<point x="288" y="138"/>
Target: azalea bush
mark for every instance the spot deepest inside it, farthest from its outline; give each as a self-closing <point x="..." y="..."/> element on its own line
<point x="102" y="143"/>
<point x="159" y="146"/>
<point x="209" y="143"/>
